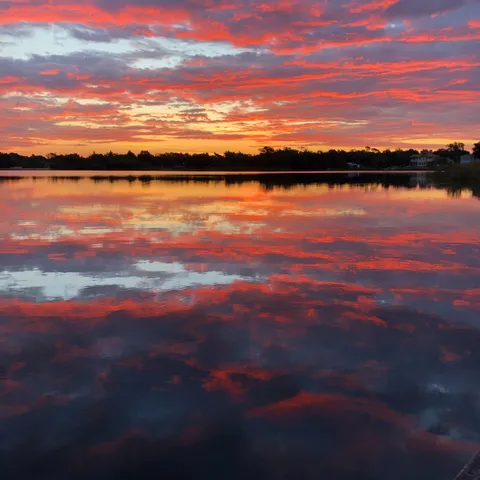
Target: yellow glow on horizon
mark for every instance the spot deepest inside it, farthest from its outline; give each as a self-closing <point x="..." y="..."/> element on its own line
<point x="439" y="142"/>
<point x="164" y="144"/>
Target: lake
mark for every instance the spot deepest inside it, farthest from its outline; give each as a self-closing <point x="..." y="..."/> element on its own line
<point x="275" y="326"/>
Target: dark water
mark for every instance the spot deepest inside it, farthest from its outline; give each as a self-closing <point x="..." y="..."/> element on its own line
<point x="238" y="328"/>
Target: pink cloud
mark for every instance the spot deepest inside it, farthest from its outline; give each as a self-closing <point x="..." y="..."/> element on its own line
<point x="335" y="74"/>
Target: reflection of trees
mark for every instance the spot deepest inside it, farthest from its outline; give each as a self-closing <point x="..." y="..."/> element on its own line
<point x="278" y="180"/>
<point x="267" y="181"/>
<point x="456" y="191"/>
<point x="459" y="178"/>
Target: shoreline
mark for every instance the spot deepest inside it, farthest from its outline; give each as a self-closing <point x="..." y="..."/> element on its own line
<point x="23" y="173"/>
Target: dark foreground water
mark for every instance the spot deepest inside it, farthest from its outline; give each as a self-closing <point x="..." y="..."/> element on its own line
<point x="238" y="328"/>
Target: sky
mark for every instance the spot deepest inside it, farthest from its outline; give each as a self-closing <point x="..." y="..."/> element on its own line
<point x="217" y="75"/>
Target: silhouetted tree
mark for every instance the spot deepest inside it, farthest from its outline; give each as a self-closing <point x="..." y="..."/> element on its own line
<point x="267" y="159"/>
<point x="456" y="149"/>
<point x="267" y="151"/>
<point x="476" y="149"/>
<point x="145" y="156"/>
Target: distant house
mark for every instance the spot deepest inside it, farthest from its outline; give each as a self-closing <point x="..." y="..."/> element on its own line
<point x="424" y="160"/>
<point x="468" y="158"/>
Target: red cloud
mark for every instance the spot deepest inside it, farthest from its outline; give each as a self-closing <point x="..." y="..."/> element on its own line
<point x="368" y="66"/>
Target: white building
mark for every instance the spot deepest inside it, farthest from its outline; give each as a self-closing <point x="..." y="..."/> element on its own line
<point x="468" y="158"/>
<point x="424" y="160"/>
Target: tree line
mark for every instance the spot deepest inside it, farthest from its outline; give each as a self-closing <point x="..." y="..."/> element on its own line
<point x="267" y="158"/>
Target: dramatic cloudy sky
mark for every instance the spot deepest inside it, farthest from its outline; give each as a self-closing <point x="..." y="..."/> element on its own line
<point x="212" y="75"/>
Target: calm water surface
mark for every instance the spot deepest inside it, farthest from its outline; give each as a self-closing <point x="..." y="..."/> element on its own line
<point x="238" y="329"/>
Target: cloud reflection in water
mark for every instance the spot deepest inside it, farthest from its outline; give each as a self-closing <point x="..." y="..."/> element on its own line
<point x="317" y="344"/>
